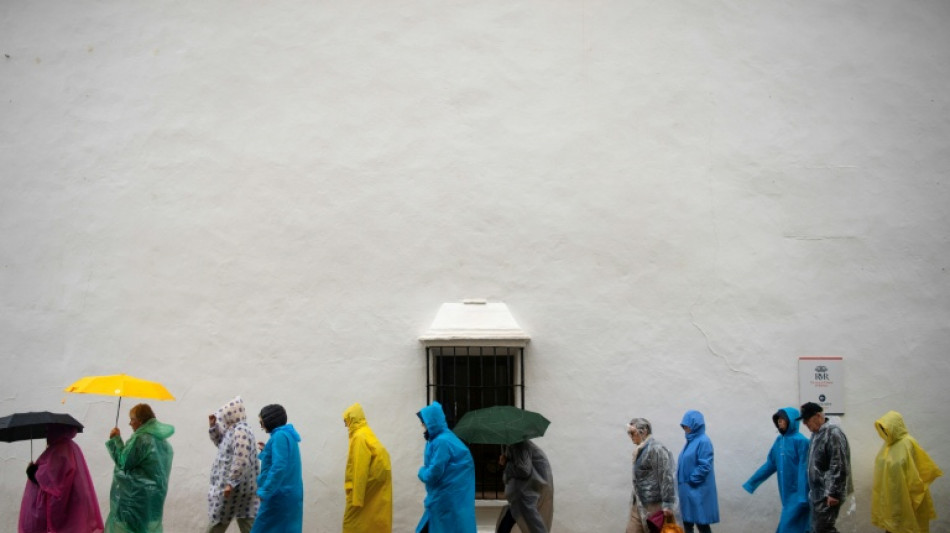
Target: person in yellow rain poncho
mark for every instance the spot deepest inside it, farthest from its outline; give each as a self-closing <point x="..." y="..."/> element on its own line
<point x="903" y="472"/>
<point x="368" y="480"/>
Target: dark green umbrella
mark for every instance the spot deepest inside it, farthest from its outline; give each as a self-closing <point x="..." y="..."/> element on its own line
<point x="503" y="424"/>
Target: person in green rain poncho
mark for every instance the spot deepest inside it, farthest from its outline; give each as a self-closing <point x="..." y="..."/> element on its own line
<point x="140" y="477"/>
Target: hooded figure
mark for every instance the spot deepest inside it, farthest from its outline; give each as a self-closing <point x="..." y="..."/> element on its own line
<point x="449" y="475"/>
<point x="59" y="495"/>
<point x="233" y="492"/>
<point x="788" y="458"/>
<point x="140" y="477"/>
<point x="368" y="480"/>
<point x="696" y="475"/>
<point x="280" y="484"/>
<point x="903" y="472"/>
<point x="529" y="487"/>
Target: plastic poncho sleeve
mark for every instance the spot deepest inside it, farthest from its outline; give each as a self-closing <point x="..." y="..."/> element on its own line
<point x="241" y="463"/>
<point x="704" y="462"/>
<point x="279" y="453"/>
<point x="760" y="475"/>
<point x="836" y="477"/>
<point x="360" y="457"/>
<point x="440" y="456"/>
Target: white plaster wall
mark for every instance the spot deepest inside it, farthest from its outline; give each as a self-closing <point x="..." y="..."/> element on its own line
<point x="676" y="200"/>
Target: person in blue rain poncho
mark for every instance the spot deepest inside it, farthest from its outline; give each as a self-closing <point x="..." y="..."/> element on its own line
<point x="788" y="458"/>
<point x="696" y="476"/>
<point x="448" y="472"/>
<point x="280" y="485"/>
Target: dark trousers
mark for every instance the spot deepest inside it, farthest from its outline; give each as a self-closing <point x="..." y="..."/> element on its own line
<point x="703" y="528"/>
<point x="507" y="522"/>
<point x="823" y="517"/>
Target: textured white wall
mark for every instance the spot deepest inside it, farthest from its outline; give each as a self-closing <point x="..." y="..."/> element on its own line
<point x="676" y="199"/>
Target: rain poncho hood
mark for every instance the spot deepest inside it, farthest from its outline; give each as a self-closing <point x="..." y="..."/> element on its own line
<point x="140" y="478"/>
<point x="448" y="472"/>
<point x="529" y="487"/>
<point x="903" y="472"/>
<point x="829" y="464"/>
<point x="235" y="464"/>
<point x="696" y="475"/>
<point x="63" y="499"/>
<point x="788" y="458"/>
<point x="367" y="480"/>
<point x="280" y="484"/>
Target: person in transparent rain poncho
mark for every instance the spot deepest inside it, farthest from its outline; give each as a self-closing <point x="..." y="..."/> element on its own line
<point x="233" y="492"/>
<point x="829" y="468"/>
<point x="529" y="489"/>
<point x="654" y="482"/>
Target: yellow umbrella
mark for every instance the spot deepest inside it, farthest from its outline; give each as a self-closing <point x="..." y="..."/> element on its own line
<point x="121" y="385"/>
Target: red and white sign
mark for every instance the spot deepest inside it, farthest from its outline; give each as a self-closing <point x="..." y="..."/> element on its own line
<point x="821" y="380"/>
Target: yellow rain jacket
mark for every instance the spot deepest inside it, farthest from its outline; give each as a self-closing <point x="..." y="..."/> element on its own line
<point x="368" y="480"/>
<point x="900" y="497"/>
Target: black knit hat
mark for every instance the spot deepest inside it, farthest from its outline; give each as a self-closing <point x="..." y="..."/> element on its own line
<point x="273" y="416"/>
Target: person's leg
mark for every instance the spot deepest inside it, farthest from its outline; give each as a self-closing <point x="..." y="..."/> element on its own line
<point x="245" y="524"/>
<point x="823" y="518"/>
<point x="507" y="522"/>
<point x="703" y="528"/>
<point x="687" y="527"/>
<point x="634" y="524"/>
<point x="220" y="527"/>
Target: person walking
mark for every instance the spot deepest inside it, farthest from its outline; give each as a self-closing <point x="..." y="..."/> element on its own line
<point x="233" y="492"/>
<point x="448" y="472"/>
<point x="280" y="484"/>
<point x="903" y="472"/>
<point x="696" y="476"/>
<point x="368" y="478"/>
<point x="529" y="489"/>
<point x="788" y="459"/>
<point x="143" y="465"/>
<point x="654" y="488"/>
<point x="829" y="468"/>
<point x="59" y="494"/>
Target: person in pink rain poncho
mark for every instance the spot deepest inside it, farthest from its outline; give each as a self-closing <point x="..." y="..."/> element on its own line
<point x="59" y="496"/>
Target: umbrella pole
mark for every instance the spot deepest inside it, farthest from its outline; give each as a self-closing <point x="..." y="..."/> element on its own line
<point x="117" y="408"/>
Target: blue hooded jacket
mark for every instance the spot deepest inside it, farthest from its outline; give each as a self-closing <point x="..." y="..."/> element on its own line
<point x="280" y="484"/>
<point x="789" y="459"/>
<point x="696" y="475"/>
<point x="449" y="475"/>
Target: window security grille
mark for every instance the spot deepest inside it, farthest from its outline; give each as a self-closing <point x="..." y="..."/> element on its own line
<point x="464" y="378"/>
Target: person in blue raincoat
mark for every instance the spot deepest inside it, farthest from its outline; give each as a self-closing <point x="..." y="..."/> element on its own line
<point x="696" y="476"/>
<point x="448" y="472"/>
<point x="788" y="458"/>
<point x="280" y="485"/>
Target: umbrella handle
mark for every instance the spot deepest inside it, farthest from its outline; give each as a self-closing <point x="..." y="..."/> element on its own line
<point x="118" y="407"/>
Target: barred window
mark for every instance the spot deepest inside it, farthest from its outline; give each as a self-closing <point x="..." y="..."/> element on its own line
<point x="465" y="378"/>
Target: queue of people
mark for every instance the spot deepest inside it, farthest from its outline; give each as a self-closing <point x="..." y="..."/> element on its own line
<point x="260" y="485"/>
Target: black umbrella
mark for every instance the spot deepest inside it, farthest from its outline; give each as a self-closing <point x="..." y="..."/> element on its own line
<point x="23" y="426"/>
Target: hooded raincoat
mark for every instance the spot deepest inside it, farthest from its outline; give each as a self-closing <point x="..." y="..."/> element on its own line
<point x="62" y="499"/>
<point x="529" y="487"/>
<point x="448" y="472"/>
<point x="696" y="475"/>
<point x="788" y="458"/>
<point x="368" y="479"/>
<point x="140" y="479"/>
<point x="903" y="472"/>
<point x="235" y="464"/>
<point x="280" y="484"/>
